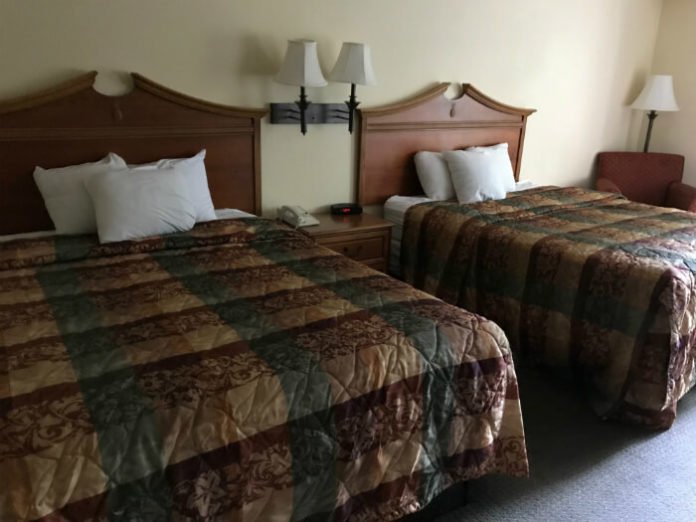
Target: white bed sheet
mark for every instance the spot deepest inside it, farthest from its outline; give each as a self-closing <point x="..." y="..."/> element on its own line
<point x="230" y="213"/>
<point x="28" y="235"/>
<point x="395" y="211"/>
<point x="220" y="213"/>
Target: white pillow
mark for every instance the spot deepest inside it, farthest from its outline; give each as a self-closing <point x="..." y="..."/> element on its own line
<point x="132" y="204"/>
<point x="434" y="175"/>
<point x="64" y="194"/>
<point x="196" y="178"/>
<point x="510" y="183"/>
<point x="480" y="174"/>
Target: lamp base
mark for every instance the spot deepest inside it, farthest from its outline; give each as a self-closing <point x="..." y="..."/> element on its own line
<point x="651" y="119"/>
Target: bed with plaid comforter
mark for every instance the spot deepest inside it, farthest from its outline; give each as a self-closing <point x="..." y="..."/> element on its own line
<point x="238" y="372"/>
<point x="577" y="279"/>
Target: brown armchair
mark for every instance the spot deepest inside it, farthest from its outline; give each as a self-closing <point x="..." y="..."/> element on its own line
<point x="646" y="177"/>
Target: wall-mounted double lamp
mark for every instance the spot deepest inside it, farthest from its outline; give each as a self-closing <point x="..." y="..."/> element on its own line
<point x="301" y="67"/>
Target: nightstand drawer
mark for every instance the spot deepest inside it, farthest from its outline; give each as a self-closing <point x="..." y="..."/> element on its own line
<point x="359" y="249"/>
<point x="362" y="237"/>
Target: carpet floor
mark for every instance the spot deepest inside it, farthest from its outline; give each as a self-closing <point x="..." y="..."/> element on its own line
<point x="586" y="469"/>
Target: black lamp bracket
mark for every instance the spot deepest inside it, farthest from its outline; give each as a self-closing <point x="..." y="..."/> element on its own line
<point x="286" y="113"/>
<point x="352" y="105"/>
<point x="306" y="112"/>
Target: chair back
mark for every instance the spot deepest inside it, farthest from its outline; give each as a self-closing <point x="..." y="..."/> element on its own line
<point x="641" y="176"/>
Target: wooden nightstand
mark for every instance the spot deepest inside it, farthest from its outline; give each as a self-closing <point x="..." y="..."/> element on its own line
<point x="362" y="237"/>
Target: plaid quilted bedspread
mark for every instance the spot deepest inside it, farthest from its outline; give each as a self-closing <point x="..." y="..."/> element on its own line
<point x="577" y="279"/>
<point x="238" y="372"/>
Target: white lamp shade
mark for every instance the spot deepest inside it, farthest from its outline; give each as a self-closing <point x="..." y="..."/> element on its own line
<point x="301" y="65"/>
<point x="657" y="95"/>
<point x="354" y="65"/>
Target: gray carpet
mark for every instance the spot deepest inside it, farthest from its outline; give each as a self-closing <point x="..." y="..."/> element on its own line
<point x="585" y="469"/>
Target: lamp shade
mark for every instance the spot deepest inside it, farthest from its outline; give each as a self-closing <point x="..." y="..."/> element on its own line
<point x="354" y="65"/>
<point x="301" y="65"/>
<point x="657" y="95"/>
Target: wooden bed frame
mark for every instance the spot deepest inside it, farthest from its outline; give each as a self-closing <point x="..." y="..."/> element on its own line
<point x="73" y="123"/>
<point x="392" y="134"/>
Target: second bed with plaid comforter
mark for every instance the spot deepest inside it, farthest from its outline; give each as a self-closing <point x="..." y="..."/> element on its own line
<point x="577" y="279"/>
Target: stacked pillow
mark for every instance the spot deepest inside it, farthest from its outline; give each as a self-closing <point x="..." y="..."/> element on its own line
<point x="66" y="197"/>
<point x="434" y="175"/>
<point x="122" y="202"/>
<point x="193" y="170"/>
<point x="473" y="174"/>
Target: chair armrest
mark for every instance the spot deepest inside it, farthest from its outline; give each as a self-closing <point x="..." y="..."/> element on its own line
<point x="680" y="195"/>
<point x="606" y="185"/>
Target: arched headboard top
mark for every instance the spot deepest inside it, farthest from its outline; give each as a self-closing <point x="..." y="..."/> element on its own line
<point x="392" y="134"/>
<point x="73" y="123"/>
<point x="85" y="82"/>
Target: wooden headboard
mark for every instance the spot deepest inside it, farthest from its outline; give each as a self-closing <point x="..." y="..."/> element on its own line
<point x="391" y="135"/>
<point x="73" y="123"/>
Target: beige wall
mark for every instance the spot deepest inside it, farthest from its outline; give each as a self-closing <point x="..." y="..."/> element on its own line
<point x="577" y="61"/>
<point x="675" y="54"/>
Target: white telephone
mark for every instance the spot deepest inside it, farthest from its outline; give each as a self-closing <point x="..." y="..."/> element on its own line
<point x="296" y="216"/>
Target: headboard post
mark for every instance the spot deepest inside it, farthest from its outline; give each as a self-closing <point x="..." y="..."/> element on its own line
<point x="392" y="134"/>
